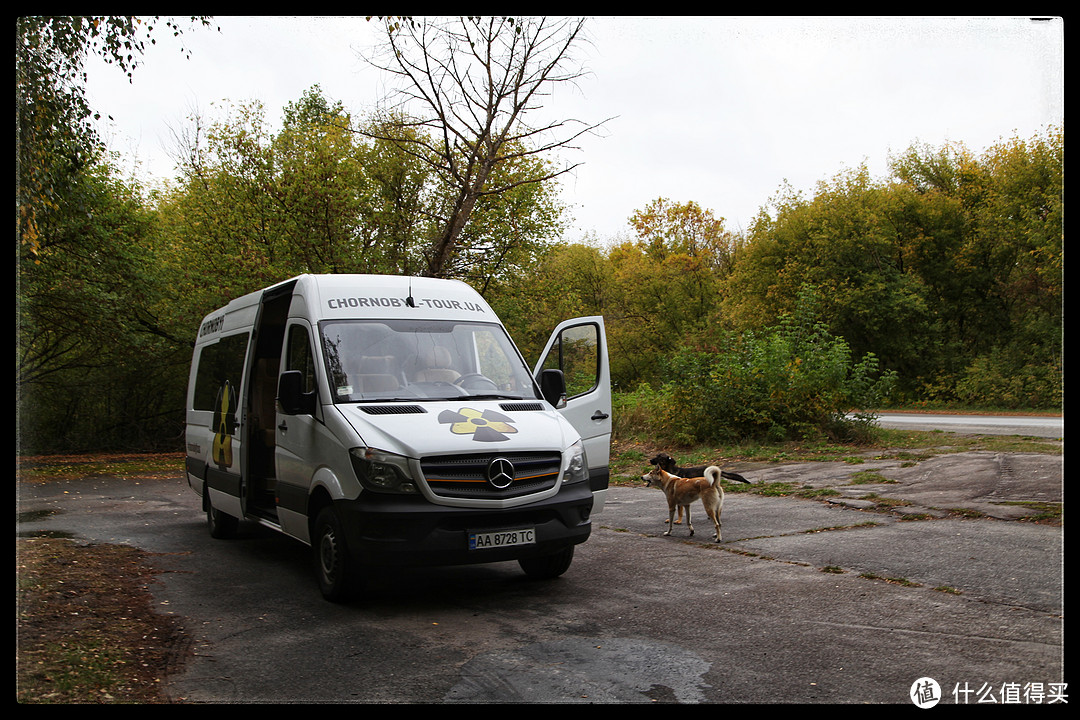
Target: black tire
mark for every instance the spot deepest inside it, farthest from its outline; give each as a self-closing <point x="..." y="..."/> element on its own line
<point x="222" y="525"/>
<point x="546" y="567"/>
<point x="334" y="566"/>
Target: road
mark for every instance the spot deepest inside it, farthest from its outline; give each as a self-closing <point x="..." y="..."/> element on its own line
<point x="805" y="600"/>
<point x="1030" y="425"/>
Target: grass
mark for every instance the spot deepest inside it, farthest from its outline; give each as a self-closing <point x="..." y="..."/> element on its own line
<point x="45" y="468"/>
<point x="630" y="453"/>
<point x="892" y="581"/>
<point x="869" y="478"/>
<point x="87" y="630"/>
<point x="1044" y="512"/>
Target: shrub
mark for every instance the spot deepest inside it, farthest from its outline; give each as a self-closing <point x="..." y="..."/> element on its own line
<point x="788" y="382"/>
<point x="1008" y="379"/>
<point x="640" y="412"/>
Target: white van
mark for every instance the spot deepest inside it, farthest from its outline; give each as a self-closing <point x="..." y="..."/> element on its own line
<point x="392" y="421"/>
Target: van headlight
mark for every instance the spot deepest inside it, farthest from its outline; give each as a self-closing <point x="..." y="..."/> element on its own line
<point x="382" y="471"/>
<point x="577" y="469"/>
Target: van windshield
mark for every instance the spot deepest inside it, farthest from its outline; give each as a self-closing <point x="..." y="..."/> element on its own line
<point x="381" y="360"/>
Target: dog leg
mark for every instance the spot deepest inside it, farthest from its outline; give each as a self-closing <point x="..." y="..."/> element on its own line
<point x="688" y="523"/>
<point x="670" y="518"/>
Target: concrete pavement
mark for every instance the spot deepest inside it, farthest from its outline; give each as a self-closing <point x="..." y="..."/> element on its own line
<point x="826" y="600"/>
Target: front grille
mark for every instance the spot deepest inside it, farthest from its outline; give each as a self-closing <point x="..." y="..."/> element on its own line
<point x="465" y="476"/>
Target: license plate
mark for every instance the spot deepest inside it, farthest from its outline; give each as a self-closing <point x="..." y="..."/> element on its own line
<point x="501" y="538"/>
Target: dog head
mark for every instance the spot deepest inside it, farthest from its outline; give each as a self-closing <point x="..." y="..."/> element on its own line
<point x="655" y="477"/>
<point x="664" y="461"/>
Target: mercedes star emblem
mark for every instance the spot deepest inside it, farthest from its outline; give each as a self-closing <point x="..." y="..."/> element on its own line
<point x="500" y="473"/>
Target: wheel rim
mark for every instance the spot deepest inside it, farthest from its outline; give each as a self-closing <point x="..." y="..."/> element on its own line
<point x="328" y="555"/>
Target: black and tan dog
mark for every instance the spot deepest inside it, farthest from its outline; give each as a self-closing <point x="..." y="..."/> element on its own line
<point x="667" y="463"/>
<point x="682" y="492"/>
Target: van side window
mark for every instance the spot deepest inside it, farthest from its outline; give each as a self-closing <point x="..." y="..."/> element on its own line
<point x="219" y="363"/>
<point x="576" y="353"/>
<point x="298" y="355"/>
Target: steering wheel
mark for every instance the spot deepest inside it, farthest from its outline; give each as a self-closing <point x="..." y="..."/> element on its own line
<point x="476" y="381"/>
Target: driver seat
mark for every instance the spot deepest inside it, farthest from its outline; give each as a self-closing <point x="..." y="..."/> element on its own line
<point x="434" y="366"/>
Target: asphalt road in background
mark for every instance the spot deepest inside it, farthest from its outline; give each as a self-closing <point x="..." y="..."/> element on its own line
<point x="1031" y="425"/>
<point x="804" y="601"/>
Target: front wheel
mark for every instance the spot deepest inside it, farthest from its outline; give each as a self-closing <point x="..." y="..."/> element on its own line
<point x="333" y="562"/>
<point x="546" y="567"/>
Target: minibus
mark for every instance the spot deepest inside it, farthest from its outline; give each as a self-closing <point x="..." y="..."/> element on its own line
<point x="391" y="421"/>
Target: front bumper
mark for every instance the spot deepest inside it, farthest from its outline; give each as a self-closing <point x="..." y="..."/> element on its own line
<point x="396" y="530"/>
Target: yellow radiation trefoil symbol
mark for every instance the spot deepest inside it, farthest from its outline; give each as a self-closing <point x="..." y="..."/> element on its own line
<point x="224" y="422"/>
<point x="485" y="426"/>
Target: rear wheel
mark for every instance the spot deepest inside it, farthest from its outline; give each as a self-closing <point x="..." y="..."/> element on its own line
<point x="222" y="525"/>
<point x="546" y="567"/>
<point x="334" y="566"/>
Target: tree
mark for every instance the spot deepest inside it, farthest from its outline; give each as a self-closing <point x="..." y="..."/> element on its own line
<point x="564" y="281"/>
<point x="93" y="368"/>
<point x="254" y="207"/>
<point x="950" y="272"/>
<point x="469" y="84"/>
<point x="664" y="227"/>
<point x="657" y="292"/>
<point x="54" y="133"/>
<point x="507" y="231"/>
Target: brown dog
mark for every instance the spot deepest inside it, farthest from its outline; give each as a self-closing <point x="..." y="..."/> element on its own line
<point x="667" y="463"/>
<point x="681" y="492"/>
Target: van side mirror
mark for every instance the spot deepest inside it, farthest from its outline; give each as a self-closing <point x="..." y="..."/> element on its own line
<point x="293" y="399"/>
<point x="553" y="387"/>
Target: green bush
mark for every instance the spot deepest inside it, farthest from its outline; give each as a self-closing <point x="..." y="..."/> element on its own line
<point x="640" y="413"/>
<point x="789" y="382"/>
<point x="1007" y="378"/>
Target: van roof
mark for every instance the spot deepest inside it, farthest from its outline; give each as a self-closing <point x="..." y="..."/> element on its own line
<point x="342" y="296"/>
<point x="347" y="296"/>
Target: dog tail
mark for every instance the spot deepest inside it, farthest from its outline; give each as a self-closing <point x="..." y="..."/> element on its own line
<point x="734" y="476"/>
<point x="713" y="473"/>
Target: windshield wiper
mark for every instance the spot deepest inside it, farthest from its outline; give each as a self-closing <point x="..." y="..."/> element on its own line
<point x="387" y="400"/>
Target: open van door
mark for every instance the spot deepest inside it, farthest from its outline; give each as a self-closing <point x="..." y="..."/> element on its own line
<point x="578" y="348"/>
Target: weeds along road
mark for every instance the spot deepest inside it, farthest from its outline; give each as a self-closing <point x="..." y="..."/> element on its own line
<point x="895" y="571"/>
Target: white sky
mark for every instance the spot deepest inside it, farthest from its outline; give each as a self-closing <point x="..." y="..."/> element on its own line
<point x="719" y="110"/>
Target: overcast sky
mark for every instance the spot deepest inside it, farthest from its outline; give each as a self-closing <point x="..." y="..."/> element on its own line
<point x="722" y="111"/>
